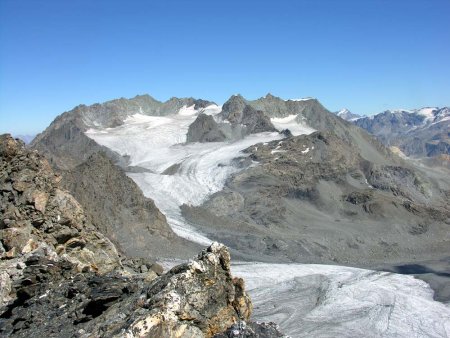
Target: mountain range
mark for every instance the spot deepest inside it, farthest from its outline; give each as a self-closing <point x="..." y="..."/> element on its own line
<point x="277" y="181"/>
<point x="418" y="133"/>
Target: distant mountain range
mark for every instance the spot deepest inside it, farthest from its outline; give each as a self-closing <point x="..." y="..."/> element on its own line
<point x="26" y="138"/>
<point x="419" y="132"/>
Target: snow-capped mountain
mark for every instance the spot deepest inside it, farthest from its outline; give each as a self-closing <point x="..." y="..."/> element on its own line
<point x="347" y="115"/>
<point x="418" y="132"/>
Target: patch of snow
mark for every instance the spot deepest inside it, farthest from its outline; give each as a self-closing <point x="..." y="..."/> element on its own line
<point x="211" y="110"/>
<point x="343" y="112"/>
<point x="302" y="99"/>
<point x="305" y="151"/>
<point x="445" y="118"/>
<point x="283" y="120"/>
<point x="291" y="122"/>
<point x="187" y="111"/>
<point x="427" y="112"/>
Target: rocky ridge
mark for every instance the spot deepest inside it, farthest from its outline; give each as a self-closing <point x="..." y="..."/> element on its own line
<point x="236" y="120"/>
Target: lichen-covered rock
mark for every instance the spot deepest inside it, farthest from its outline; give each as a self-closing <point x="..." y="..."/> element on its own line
<point x="196" y="299"/>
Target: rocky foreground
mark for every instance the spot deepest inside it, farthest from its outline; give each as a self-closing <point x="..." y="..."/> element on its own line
<point x="59" y="276"/>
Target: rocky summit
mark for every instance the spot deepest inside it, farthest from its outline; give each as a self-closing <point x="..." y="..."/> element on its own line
<point x="60" y="277"/>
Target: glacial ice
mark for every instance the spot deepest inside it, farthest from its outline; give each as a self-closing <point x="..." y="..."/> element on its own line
<point x="311" y="300"/>
<point x="306" y="300"/>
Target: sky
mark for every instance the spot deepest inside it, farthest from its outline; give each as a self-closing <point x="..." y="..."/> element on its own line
<point x="367" y="56"/>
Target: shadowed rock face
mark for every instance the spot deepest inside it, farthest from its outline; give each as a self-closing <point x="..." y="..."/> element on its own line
<point x="205" y="129"/>
<point x="256" y="121"/>
<point x="239" y="112"/>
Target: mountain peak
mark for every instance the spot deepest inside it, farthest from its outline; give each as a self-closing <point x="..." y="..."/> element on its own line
<point x="347" y="115"/>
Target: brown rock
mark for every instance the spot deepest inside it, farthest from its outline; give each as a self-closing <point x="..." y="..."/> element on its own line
<point x="8" y="146"/>
<point x="21" y="186"/>
<point x="40" y="200"/>
<point x="30" y="246"/>
<point x="16" y="237"/>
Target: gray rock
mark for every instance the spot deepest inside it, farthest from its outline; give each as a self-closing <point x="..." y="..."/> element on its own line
<point x="205" y="129"/>
<point x="256" y="121"/>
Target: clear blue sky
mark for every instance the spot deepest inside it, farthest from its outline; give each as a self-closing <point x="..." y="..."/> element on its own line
<point x="366" y="55"/>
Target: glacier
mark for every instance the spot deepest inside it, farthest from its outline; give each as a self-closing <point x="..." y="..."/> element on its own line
<point x="307" y="300"/>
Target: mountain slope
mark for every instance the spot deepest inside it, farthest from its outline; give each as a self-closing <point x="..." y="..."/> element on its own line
<point x="116" y="205"/>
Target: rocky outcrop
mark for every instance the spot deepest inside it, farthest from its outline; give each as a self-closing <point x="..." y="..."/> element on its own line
<point x="196" y="299"/>
<point x="256" y="121"/>
<point x="239" y="112"/>
<point x="38" y="215"/>
<point x="205" y="129"/>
